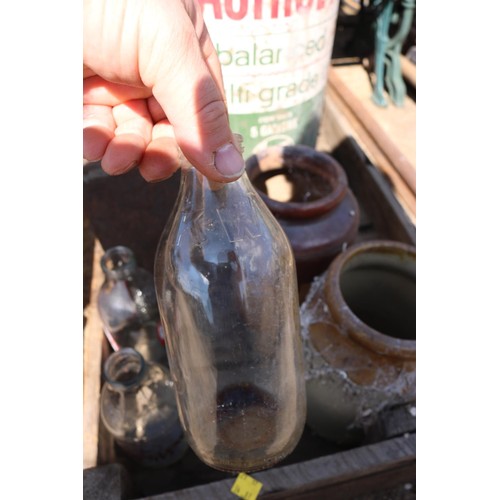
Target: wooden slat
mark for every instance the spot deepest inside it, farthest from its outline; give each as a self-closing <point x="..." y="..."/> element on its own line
<point x="93" y="339"/>
<point x="399" y="161"/>
<point x="375" y="194"/>
<point x="338" y="476"/>
<point x="409" y="70"/>
<point x="393" y="422"/>
<point x="350" y="485"/>
<point x="339" y="123"/>
<point x="398" y="123"/>
<point x="392" y="218"/>
<point x="401" y="190"/>
<point x="359" y="470"/>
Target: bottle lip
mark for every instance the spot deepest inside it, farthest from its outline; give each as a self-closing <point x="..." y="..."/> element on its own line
<point x="118" y="262"/>
<point x="299" y="158"/>
<point x="124" y="368"/>
<point x="364" y="334"/>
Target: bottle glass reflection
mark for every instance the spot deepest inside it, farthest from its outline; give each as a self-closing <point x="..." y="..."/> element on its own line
<point x="128" y="307"/>
<point x="138" y="408"/>
<point x="227" y="293"/>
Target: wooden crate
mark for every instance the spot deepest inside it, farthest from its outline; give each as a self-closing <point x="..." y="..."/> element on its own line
<point x="383" y="466"/>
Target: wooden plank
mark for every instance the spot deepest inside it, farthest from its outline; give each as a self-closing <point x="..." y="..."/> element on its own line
<point x="107" y="482"/>
<point x="393" y="422"/>
<point x="325" y="479"/>
<point x="377" y="197"/>
<point x="106" y="453"/>
<point x="398" y="123"/>
<point x="373" y="191"/>
<point x="350" y="485"/>
<point x="93" y="339"/>
<point x="391" y="150"/>
<point x="340" y="475"/>
<point x="395" y="125"/>
<point x="409" y="71"/>
<point x="341" y="122"/>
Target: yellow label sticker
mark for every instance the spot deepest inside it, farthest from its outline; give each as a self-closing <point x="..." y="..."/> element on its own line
<point x="246" y="487"/>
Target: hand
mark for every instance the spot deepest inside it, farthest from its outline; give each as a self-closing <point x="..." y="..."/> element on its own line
<point x="153" y="84"/>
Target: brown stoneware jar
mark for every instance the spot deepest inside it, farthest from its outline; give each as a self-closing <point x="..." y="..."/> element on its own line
<point x="307" y="192"/>
<point x="358" y="327"/>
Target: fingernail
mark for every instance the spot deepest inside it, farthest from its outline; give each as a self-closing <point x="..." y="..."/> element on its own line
<point x="124" y="170"/>
<point x="228" y="161"/>
<point x="155" y="181"/>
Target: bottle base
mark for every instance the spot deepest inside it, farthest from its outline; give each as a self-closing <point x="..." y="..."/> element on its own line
<point x="247" y="467"/>
<point x="236" y="462"/>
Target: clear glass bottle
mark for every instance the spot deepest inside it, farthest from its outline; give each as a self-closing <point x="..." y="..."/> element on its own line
<point x="227" y="293"/>
<point x="128" y="307"/>
<point x="138" y="408"/>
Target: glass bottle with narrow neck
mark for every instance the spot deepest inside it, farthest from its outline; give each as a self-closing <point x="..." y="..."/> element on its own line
<point x="138" y="408"/>
<point x="227" y="292"/>
<point x="127" y="305"/>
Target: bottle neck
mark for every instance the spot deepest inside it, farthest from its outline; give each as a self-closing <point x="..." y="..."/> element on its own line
<point x="124" y="369"/>
<point x="118" y="263"/>
<point x="197" y="187"/>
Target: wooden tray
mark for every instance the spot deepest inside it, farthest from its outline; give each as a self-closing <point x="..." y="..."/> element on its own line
<point x="382" y="467"/>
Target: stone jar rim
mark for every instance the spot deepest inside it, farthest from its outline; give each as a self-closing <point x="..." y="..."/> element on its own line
<point x="304" y="158"/>
<point x="356" y="329"/>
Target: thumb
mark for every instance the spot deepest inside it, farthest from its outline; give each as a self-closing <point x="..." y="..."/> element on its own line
<point x="190" y="91"/>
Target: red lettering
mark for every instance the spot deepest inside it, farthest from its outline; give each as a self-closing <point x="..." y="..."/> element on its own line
<point x="274" y="9"/>
<point x="305" y="4"/>
<point x="258" y="9"/>
<point x="236" y="15"/>
<point x="215" y="4"/>
<point x="322" y="3"/>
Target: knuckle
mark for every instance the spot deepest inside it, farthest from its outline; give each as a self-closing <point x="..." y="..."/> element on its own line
<point x="213" y="116"/>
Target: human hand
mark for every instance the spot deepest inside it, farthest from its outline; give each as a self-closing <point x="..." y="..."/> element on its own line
<point x="153" y="84"/>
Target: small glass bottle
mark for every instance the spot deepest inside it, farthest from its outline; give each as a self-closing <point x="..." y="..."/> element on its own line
<point x="138" y="408"/>
<point x="128" y="307"/>
<point x="227" y="292"/>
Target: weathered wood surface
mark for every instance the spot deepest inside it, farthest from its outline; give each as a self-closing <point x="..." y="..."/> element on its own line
<point x="386" y="135"/>
<point x="107" y="482"/>
<point x="393" y="422"/>
<point x="374" y="193"/>
<point x="409" y="71"/>
<point x="382" y="217"/>
<point x="382" y="213"/>
<point x="341" y="476"/>
<point x="127" y="210"/>
<point x="383" y="140"/>
<point x="353" y="127"/>
<point x="398" y="123"/>
<point x="93" y="340"/>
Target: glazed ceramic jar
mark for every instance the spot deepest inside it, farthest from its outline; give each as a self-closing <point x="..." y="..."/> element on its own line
<point x="307" y="192"/>
<point x="358" y="327"/>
